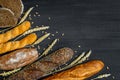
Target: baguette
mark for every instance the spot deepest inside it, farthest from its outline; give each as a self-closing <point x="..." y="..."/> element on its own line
<point x="79" y="72"/>
<point x="14" y="32"/>
<point x="43" y="66"/>
<point x="13" y="45"/>
<point x="18" y="58"/>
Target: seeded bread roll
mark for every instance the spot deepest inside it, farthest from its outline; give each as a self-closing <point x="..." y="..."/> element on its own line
<point x="14" y="5"/>
<point x="7" y="18"/>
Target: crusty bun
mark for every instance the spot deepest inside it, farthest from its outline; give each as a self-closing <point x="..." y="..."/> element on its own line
<point x="7" y="18"/>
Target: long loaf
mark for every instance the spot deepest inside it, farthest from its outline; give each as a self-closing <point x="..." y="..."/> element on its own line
<point x="9" y="46"/>
<point x="79" y="72"/>
<point x="14" y="32"/>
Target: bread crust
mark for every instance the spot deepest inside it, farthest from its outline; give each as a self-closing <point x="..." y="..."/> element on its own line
<point x="44" y="66"/>
<point x="4" y="37"/>
<point x="14" y="5"/>
<point x="7" y="18"/>
<point x="18" y="58"/>
<point x="79" y="72"/>
<point x="13" y="45"/>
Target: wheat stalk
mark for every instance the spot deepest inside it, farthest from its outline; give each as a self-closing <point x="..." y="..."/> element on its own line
<point x="26" y="15"/>
<point x="49" y="48"/>
<point x="101" y="76"/>
<point x="31" y="31"/>
<point x="85" y="57"/>
<point x="41" y="39"/>
<point x="9" y="72"/>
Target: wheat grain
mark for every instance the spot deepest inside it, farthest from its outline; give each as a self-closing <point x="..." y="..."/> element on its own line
<point x="41" y="39"/>
<point x="50" y="47"/>
<point x="26" y="15"/>
<point x="9" y="72"/>
<point x="31" y="31"/>
<point x="85" y="57"/>
<point x="101" y="76"/>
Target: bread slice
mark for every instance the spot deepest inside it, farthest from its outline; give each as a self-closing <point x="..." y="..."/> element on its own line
<point x="14" y="5"/>
<point x="7" y="18"/>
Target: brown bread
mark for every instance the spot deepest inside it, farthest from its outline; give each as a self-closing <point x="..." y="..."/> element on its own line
<point x="18" y="58"/>
<point x="44" y="66"/>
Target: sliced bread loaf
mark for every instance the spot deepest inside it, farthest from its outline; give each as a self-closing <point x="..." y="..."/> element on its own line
<point x="7" y="18"/>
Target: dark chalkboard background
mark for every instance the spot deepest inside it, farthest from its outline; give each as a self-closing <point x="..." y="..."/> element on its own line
<point x="93" y="24"/>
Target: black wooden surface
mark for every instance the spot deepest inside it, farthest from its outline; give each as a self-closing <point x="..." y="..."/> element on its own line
<point x="93" y="24"/>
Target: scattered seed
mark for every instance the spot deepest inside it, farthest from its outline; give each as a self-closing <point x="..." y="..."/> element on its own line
<point x="36" y="5"/>
<point x="75" y="51"/>
<point x="37" y="26"/>
<point x="34" y="15"/>
<point x="36" y="12"/>
<point x="63" y="34"/>
<point x="32" y="22"/>
<point x="49" y="18"/>
<point x="38" y="47"/>
<point x="43" y="48"/>
<point x="29" y="18"/>
<point x="58" y="39"/>
<point x="46" y="32"/>
<point x="53" y="35"/>
<point x="42" y="31"/>
<point x="79" y="46"/>
<point x="108" y="68"/>
<point x="49" y="38"/>
<point x="113" y="77"/>
<point x="56" y="32"/>
<point x="29" y="15"/>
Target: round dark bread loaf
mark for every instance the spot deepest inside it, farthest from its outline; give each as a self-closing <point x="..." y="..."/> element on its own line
<point x="7" y="18"/>
<point x="14" y="5"/>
